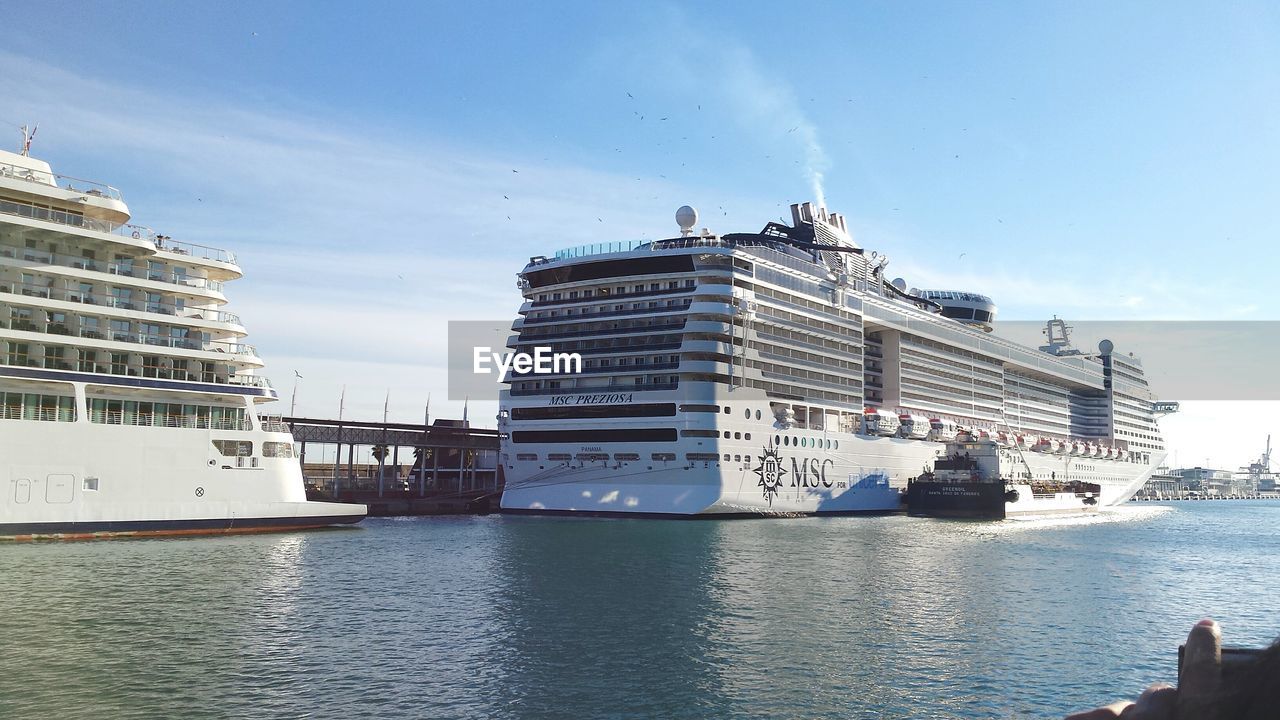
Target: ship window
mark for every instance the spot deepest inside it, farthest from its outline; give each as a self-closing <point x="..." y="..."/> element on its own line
<point x="726" y="457"/>
<point x="737" y="436"/>
<point x="737" y="458"/>
<point x="700" y="408"/>
<point x="91" y="483"/>
<point x="277" y="450"/>
<point x="235" y="448"/>
<point x="748" y="413"/>
<point x="726" y="409"/>
<point x="786" y="440"/>
<point x="777" y="439"/>
<point x="700" y="433"/>
<point x="757" y="414"/>
<point x="747" y="436"/>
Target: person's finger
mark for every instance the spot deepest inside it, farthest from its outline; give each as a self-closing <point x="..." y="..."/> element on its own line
<point x="1157" y="702"/>
<point x="1108" y="712"/>
<point x="1201" y="660"/>
<point x="1201" y="668"/>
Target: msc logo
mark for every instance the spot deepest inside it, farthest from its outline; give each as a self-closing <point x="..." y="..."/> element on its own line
<point x="770" y="472"/>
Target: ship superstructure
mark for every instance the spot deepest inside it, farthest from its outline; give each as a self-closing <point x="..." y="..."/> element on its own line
<point x="782" y="372"/>
<point x="128" y="400"/>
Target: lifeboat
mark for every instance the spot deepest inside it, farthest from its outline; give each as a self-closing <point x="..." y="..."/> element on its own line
<point x="983" y="435"/>
<point x="1026" y="442"/>
<point x="880" y="422"/>
<point x="1057" y="447"/>
<point x="1003" y="439"/>
<point x="1099" y="451"/>
<point x="913" y="426"/>
<point x="941" y="430"/>
<point x="1075" y="448"/>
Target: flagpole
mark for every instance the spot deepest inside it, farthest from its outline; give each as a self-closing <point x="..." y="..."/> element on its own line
<point x="342" y="401"/>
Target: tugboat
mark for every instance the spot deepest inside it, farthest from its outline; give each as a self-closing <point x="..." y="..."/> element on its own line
<point x="979" y="479"/>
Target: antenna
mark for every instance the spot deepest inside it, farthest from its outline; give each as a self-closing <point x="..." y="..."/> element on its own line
<point x="27" y="137"/>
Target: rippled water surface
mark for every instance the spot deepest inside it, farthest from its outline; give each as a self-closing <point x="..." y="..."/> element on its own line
<point x="552" y="617"/>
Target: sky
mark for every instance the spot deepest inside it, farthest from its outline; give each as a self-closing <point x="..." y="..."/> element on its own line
<point x="383" y="168"/>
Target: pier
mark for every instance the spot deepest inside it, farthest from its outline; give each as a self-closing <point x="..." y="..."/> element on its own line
<point x="399" y="468"/>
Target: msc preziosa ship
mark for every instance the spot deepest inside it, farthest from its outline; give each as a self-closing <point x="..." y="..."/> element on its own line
<point x="781" y="372"/>
<point x="128" y="402"/>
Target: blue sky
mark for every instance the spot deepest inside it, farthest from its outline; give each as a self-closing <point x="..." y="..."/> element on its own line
<point x="1094" y="160"/>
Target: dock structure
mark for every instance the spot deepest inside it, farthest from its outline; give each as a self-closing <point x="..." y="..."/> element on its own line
<point x="412" y="468"/>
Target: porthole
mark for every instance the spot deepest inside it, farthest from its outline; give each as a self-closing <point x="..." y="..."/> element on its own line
<point x="777" y="439"/>
<point x="726" y="409"/>
<point x="786" y="440"/>
<point x="747" y="436"/>
<point x="748" y="413"/>
<point x="737" y="436"/>
<point x="804" y="442"/>
<point x="757" y="414"/>
<point x="837" y="445"/>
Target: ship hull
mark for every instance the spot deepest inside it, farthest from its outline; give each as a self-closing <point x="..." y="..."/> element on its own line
<point x="792" y="472"/>
<point x="81" y="480"/>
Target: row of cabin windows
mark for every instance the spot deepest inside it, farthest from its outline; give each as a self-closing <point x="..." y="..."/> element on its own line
<point x="89" y="326"/>
<point x="618" y="290"/>
<point x="121" y="264"/>
<point x="57" y="357"/>
<point x="158" y="414"/>
<point x="620" y="307"/>
<point x="641" y="380"/>
<point x="37" y="406"/>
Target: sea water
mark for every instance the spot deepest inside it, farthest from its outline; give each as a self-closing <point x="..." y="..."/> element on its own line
<point x="532" y="617"/>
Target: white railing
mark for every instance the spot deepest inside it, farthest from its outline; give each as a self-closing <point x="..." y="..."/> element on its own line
<point x="149" y="306"/>
<point x="112" y="417"/>
<point x="112" y="268"/>
<point x="10" y="412"/>
<point x="66" y="182"/>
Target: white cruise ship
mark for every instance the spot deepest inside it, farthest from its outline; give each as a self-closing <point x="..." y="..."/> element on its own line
<point x="128" y="403"/>
<point x="780" y="372"/>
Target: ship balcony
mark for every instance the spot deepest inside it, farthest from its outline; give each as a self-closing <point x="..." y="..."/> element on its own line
<point x="674" y="324"/>
<point x="183" y="347"/>
<point x="99" y="200"/>
<point x="26" y="260"/>
<point x="220" y="264"/>
<point x="672" y="309"/>
<point x="106" y="306"/>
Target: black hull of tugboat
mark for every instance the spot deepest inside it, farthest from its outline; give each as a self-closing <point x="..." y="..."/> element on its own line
<point x="932" y="498"/>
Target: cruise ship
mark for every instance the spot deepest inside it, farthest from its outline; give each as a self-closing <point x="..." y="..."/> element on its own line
<point x="782" y="373"/>
<point x="129" y="404"/>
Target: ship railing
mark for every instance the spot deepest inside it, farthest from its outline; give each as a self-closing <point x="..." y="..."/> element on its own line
<point x="600" y="249"/>
<point x="198" y="422"/>
<point x="87" y="298"/>
<point x="178" y="247"/>
<point x="66" y="182"/>
<point x="124" y="269"/>
<point x="166" y="341"/>
<point x="14" y="412"/>
<point x="61" y="217"/>
<point x="258" y="381"/>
